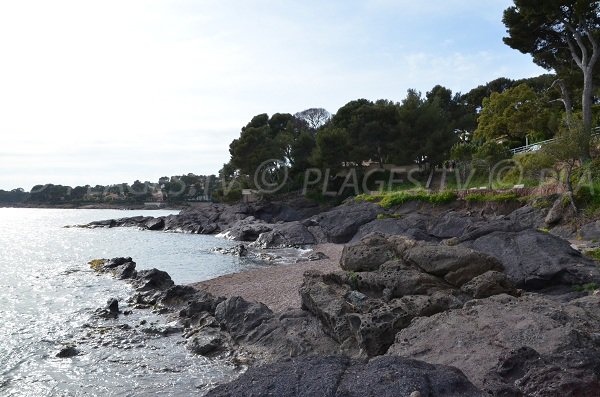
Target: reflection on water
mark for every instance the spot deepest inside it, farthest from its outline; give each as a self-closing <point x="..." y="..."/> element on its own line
<point x="48" y="293"/>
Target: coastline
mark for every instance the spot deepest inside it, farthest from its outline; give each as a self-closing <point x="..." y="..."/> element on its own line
<point x="277" y="286"/>
<point x="91" y="207"/>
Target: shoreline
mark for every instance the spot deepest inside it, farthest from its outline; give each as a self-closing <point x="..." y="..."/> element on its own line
<point x="91" y="207"/>
<point x="276" y="286"/>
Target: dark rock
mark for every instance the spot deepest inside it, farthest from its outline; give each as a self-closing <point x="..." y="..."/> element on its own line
<point x="292" y="234"/>
<point x="413" y="225"/>
<point x="590" y="231"/>
<point x="153" y="279"/>
<point x="199" y="303"/>
<point x="155" y="224"/>
<point x="125" y="271"/>
<point x="240" y="317"/>
<point x="477" y="336"/>
<point x="67" y="352"/>
<point x="316" y="256"/>
<point x="457" y="265"/>
<point x="247" y="229"/>
<point x="326" y="301"/>
<point x="340" y="224"/>
<point x="116" y="262"/>
<point x="489" y="284"/>
<point x="524" y="371"/>
<point x="340" y="376"/>
<point x="375" y="330"/>
<point x="567" y="232"/>
<point x="527" y="217"/>
<point x="177" y="294"/>
<point x="368" y="254"/>
<point x="535" y="260"/>
<point x="113" y="305"/>
<point x="207" y="341"/>
<point x="397" y="280"/>
<point x="239" y="250"/>
<point x="452" y="224"/>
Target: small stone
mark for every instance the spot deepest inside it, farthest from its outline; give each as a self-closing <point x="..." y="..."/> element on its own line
<point x="415" y="394"/>
<point x="68" y="351"/>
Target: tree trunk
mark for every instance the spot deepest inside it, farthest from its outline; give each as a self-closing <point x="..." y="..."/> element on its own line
<point x="586" y="100"/>
<point x="566" y="100"/>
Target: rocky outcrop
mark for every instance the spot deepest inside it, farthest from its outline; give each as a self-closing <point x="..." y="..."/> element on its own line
<point x="247" y="229"/>
<point x="392" y="280"/>
<point x="338" y="376"/>
<point x="291" y="234"/>
<point x="214" y="325"/>
<point x="535" y="260"/>
<point x="481" y="340"/>
<point x="244" y="221"/>
<point x="340" y="224"/>
<point x="456" y="265"/>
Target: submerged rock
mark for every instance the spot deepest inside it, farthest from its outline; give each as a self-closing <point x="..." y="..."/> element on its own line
<point x="67" y="352"/>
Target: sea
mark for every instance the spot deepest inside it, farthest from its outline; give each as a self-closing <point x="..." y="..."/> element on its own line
<point x="48" y="296"/>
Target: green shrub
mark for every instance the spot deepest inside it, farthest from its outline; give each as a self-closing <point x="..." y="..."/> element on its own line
<point x="591" y="287"/>
<point x="594" y="254"/>
<point x="398" y="198"/>
<point x="389" y="216"/>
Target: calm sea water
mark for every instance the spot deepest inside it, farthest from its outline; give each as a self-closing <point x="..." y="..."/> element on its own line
<point x="48" y="295"/>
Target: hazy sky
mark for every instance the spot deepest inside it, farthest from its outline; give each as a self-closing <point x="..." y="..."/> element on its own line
<point x="100" y="92"/>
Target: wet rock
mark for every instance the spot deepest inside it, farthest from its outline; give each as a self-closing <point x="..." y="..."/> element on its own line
<point x="155" y="224"/>
<point x="121" y="268"/>
<point x="163" y="329"/>
<point x="239" y="250"/>
<point x="534" y="260"/>
<point x="67" y="352"/>
<point x="113" y="305"/>
<point x="206" y="342"/>
<point x="339" y="376"/>
<point x="489" y="284"/>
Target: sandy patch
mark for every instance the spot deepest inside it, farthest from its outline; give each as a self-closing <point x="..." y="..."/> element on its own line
<point x="276" y="287"/>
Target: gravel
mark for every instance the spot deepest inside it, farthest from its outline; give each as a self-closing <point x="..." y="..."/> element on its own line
<point x="276" y="287"/>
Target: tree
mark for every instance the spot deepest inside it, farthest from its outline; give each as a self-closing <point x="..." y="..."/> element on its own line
<point x="490" y="154"/>
<point x="462" y="154"/>
<point x="558" y="33"/>
<point x="332" y="148"/>
<point x="314" y="117"/>
<point x="564" y="150"/>
<point x="515" y="114"/>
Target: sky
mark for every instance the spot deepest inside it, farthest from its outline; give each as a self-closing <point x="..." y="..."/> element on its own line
<point x="106" y="92"/>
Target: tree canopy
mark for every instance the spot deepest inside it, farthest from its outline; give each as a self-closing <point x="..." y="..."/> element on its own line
<point x="561" y="35"/>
